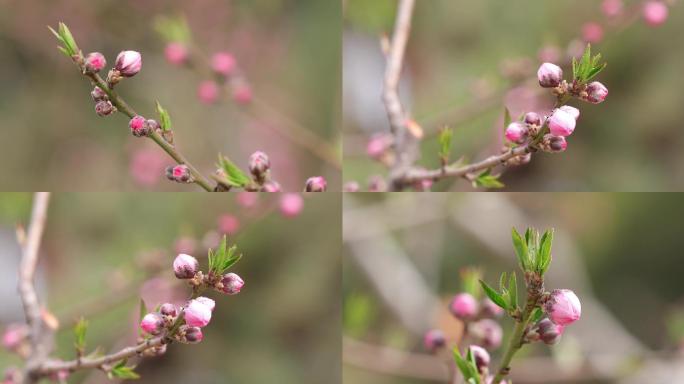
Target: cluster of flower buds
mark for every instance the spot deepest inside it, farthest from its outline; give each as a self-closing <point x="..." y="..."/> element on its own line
<point x="563" y="308"/>
<point x="187" y="267"/>
<point x="128" y="63"/>
<point x="141" y="127"/>
<point x="179" y="173"/>
<point x="225" y="68"/>
<point x="196" y="315"/>
<point x="551" y="76"/>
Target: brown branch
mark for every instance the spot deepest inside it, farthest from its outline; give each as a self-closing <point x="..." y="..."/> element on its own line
<point x="29" y="298"/>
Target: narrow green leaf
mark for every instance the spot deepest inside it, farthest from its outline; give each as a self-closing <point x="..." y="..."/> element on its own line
<point x="595" y="71"/>
<point x="164" y="118"/>
<point x="121" y="371"/>
<point x="493" y="295"/>
<point x="80" y="330"/>
<point x="520" y="249"/>
<point x="445" y="140"/>
<point x="536" y="315"/>
<point x="487" y="180"/>
<point x="68" y="38"/>
<point x="234" y="174"/>
<point x="467" y="368"/>
<point x="513" y="291"/>
<point x="545" y="251"/>
<point x="222" y="258"/>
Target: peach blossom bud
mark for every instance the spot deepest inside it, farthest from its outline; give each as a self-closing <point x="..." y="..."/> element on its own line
<point x="561" y="123"/>
<point x="179" y="173"/>
<point x="211" y="304"/>
<point x="242" y="94"/>
<point x="596" y="92"/>
<point x="208" y="92"/>
<point x="138" y="126"/>
<point x="228" y="224"/>
<point x="94" y="62"/>
<point x="549" y="75"/>
<point x="548" y="332"/>
<point x="232" y="283"/>
<point x="291" y="204"/>
<point x="434" y="340"/>
<point x="316" y="184"/>
<point x="551" y="143"/>
<point x="463" y="306"/>
<point x="197" y="314"/>
<point x="259" y="164"/>
<point x="223" y="63"/>
<point x="104" y="108"/>
<point x="98" y="94"/>
<point x="176" y="53"/>
<point x="592" y="32"/>
<point x="14" y="334"/>
<point x="488" y="332"/>
<point x="152" y="323"/>
<point x="612" y="8"/>
<point x="516" y="132"/>
<point x="532" y="118"/>
<point x="481" y="356"/>
<point x="192" y="335"/>
<point x="563" y="307"/>
<point x="168" y="309"/>
<point x="489" y="308"/>
<point x="128" y="63"/>
<point x="655" y="13"/>
<point x="574" y="112"/>
<point x="185" y="266"/>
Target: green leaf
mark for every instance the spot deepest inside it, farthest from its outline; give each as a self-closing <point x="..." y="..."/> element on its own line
<point x="68" y="38"/>
<point x="234" y="175"/>
<point x="470" y="281"/>
<point x="536" y="315"/>
<point x="487" y="180"/>
<point x="80" y="330"/>
<point x="545" y="251"/>
<point x="521" y="250"/>
<point x="513" y="291"/>
<point x="587" y="67"/>
<point x="493" y="295"/>
<point x="164" y="118"/>
<point x="445" y="140"/>
<point x="467" y="366"/>
<point x="121" y="371"/>
<point x="223" y="257"/>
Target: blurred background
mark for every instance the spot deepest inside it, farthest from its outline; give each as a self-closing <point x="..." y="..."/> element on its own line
<point x="620" y="253"/>
<point x="288" y="51"/>
<point x="103" y="252"/>
<point x="466" y="60"/>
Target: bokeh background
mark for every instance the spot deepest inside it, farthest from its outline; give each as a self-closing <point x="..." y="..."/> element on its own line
<point x="465" y="60"/>
<point x="289" y="51"/>
<point x="101" y="252"/>
<point x="619" y="252"/>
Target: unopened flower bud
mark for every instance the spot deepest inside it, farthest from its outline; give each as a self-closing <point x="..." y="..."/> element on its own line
<point x="612" y="8"/>
<point x="208" y="92"/>
<point x="191" y="335"/>
<point x="138" y="126"/>
<point x="176" y="53"/>
<point x="551" y="143"/>
<point x="592" y="32"/>
<point x="14" y="334"/>
<point x="98" y="94"/>
<point x="516" y="132"/>
<point x="463" y="306"/>
<point x="549" y="75"/>
<point x="228" y="224"/>
<point x="533" y="118"/>
<point x="259" y="164"/>
<point x="128" y="63"/>
<point x="185" y="266"/>
<point x="168" y="309"/>
<point x="490" y="309"/>
<point x="179" y="173"/>
<point x="488" y="333"/>
<point x="94" y="62"/>
<point x="316" y="184"/>
<point x="291" y="204"/>
<point x="104" y="108"/>
<point x="242" y="94"/>
<point x="197" y="314"/>
<point x="211" y="304"/>
<point x="549" y="333"/>
<point x="481" y="356"/>
<point x="152" y="323"/>
<point x="12" y="376"/>
<point x="232" y="283"/>
<point x="596" y="92"/>
<point x="434" y="339"/>
<point x="153" y="125"/>
<point x="378" y="145"/>
<point x="572" y="111"/>
<point x="655" y="13"/>
<point x="561" y="123"/>
<point x="223" y="63"/>
<point x="563" y="307"/>
<point x="271" y="186"/>
<point x="351" y="186"/>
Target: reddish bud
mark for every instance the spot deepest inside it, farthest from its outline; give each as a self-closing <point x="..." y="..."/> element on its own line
<point x="655" y="13"/>
<point x="561" y="123"/>
<point x="192" y="335"/>
<point x="138" y="126"/>
<point x="551" y="143"/>
<point x="223" y="63"/>
<point x="176" y="53"/>
<point x="228" y="224"/>
<point x="563" y="307"/>
<point x="98" y="94"/>
<point x="516" y="132"/>
<point x="197" y="314"/>
<point x="94" y="62"/>
<point x="104" y="108"/>
<point x="532" y="118"/>
<point x="463" y="306"/>
<point x="168" y="309"/>
<point x="549" y="75"/>
<point x="482" y="358"/>
<point x="128" y="63"/>
<point x="596" y="92"/>
<point x="433" y="340"/>
<point x="549" y="333"/>
<point x="179" y="173"/>
<point x="259" y="164"/>
<point x="152" y="323"/>
<point x="316" y="184"/>
<point x="208" y="92"/>
<point x="185" y="266"/>
<point x="488" y="332"/>
<point x="232" y="283"/>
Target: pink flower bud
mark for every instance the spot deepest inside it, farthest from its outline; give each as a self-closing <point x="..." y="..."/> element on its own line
<point x="563" y="307"/>
<point x="611" y="8"/>
<point x="14" y="334"/>
<point x="592" y="32"/>
<point x="655" y="13"/>
<point x="463" y="306"/>
<point x="259" y="164"/>
<point x="197" y="314"/>
<point x="138" y="126"/>
<point x="516" y="132"/>
<point x="104" y="108"/>
<point x="232" y="283"/>
<point x="98" y="94"/>
<point x="549" y="75"/>
<point x="179" y="173"/>
<point x="488" y="333"/>
<point x="489" y="308"/>
<point x="168" y="309"/>
<point x="596" y="92"/>
<point x="351" y="186"/>
<point x="152" y="323"/>
<point x="228" y="224"/>
<point x="557" y="143"/>
<point x="548" y="332"/>
<point x="223" y="63"/>
<point x="316" y="184"/>
<point x="532" y="118"/>
<point x="208" y="92"/>
<point x="192" y="335"/>
<point x="242" y="94"/>
<point x="434" y="340"/>
<point x="153" y="125"/>
<point x="574" y="112"/>
<point x="211" y="304"/>
<point x="128" y="63"/>
<point x="271" y="186"/>
<point x="247" y="199"/>
<point x="481" y="356"/>
<point x="561" y="123"/>
<point x="94" y="62"/>
<point x="291" y="204"/>
<point x="176" y="53"/>
<point x="378" y="145"/>
<point x="185" y="266"/>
